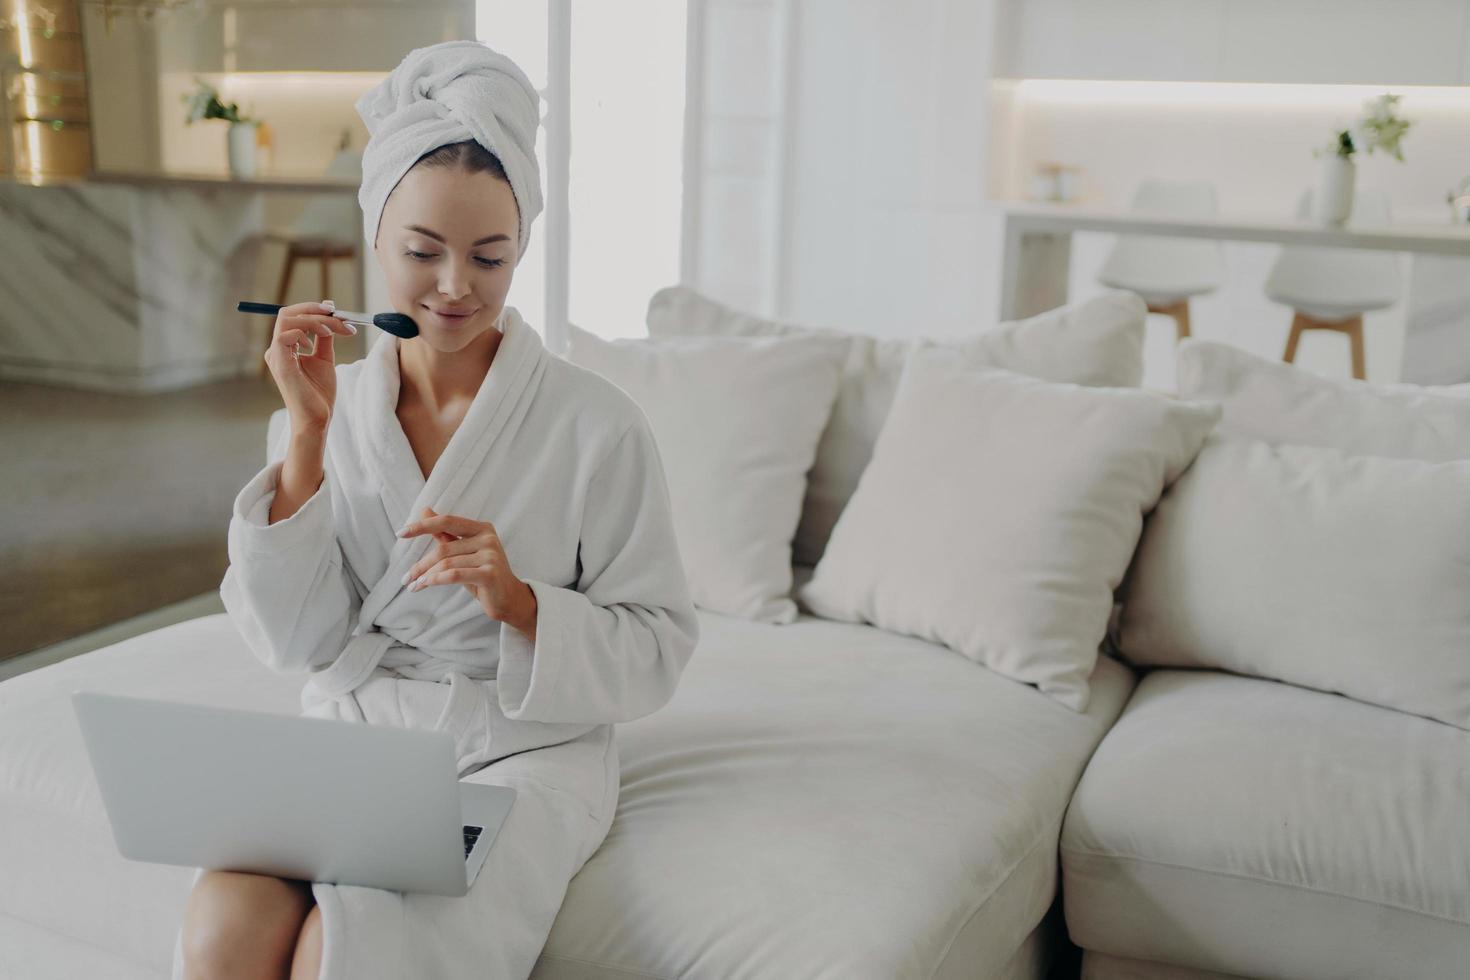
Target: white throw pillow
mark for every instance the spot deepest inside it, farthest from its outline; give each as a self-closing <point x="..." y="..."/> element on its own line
<point x="1281" y="403"/>
<point x="1311" y="566"/>
<point x="1000" y="512"/>
<point x="737" y="421"/>
<point x="1095" y="342"/>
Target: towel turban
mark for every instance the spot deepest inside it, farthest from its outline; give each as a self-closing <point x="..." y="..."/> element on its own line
<point x="449" y="93"/>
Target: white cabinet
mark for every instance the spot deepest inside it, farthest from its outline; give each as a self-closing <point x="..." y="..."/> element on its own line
<point x="1373" y="42"/>
<point x="1128" y="39"/>
<point x="1407" y="42"/>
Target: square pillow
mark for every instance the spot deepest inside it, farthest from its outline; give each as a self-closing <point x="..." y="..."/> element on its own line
<point x="1000" y="512"/>
<point x="1304" y="564"/>
<point x="1281" y="403"/>
<point x="737" y="421"/>
<point x="1095" y="342"/>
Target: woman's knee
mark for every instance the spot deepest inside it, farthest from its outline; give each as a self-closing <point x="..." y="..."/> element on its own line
<point x="238" y="924"/>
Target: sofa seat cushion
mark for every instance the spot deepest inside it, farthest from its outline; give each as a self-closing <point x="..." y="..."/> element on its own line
<point x="817" y="799"/>
<point x="1249" y="827"/>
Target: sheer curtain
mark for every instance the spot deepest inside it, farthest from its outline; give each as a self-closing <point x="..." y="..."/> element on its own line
<point x="624" y="143"/>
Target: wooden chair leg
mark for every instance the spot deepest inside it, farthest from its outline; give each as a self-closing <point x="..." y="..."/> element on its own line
<point x="1181" y="317"/>
<point x="1298" y="324"/>
<point x="1354" y="330"/>
<point x="286" y="275"/>
<point x="270" y="327"/>
<point x="1178" y="312"/>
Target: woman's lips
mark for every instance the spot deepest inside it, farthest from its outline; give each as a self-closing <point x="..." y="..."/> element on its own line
<point x="451" y="318"/>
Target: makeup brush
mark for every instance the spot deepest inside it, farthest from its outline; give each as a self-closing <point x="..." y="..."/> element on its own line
<point x="398" y="324"/>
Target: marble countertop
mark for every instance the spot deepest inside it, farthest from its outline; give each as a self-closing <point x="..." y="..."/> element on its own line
<point x="307" y="183"/>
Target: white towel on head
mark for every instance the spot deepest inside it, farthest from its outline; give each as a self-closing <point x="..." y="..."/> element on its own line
<point x="448" y="93"/>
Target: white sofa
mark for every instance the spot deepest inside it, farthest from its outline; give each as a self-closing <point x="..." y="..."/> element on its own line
<point x="1230" y="826"/>
<point x="835" y="799"/>
<point x="819" y="799"/>
<point x="1251" y="823"/>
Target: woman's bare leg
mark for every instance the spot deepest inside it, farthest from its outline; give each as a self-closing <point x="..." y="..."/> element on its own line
<point x="243" y="925"/>
<point x="306" y="964"/>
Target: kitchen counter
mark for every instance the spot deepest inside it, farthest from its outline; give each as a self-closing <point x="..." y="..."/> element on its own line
<point x="287" y="183"/>
<point x="128" y="282"/>
<point x="1038" y="243"/>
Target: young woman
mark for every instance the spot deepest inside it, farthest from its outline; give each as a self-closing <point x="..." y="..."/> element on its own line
<point x="460" y="532"/>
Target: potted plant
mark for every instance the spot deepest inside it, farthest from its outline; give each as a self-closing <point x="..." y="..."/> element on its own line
<point x="204" y="103"/>
<point x="1380" y="128"/>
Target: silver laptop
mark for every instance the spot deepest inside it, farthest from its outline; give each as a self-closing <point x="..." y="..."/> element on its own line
<point x="306" y="798"/>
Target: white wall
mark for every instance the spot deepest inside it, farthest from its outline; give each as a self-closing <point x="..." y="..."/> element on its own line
<point x="1399" y="42"/>
<point x="840" y="165"/>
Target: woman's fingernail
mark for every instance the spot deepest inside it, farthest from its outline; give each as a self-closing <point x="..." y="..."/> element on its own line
<point x="329" y="304"/>
<point x="349" y="326"/>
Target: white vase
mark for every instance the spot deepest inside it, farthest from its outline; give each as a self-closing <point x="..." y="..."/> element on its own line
<point x="1332" y="203"/>
<point x="242" y="149"/>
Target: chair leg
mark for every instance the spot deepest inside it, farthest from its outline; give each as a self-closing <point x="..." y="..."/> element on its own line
<point x="1298" y="324"/>
<point x="1178" y="312"/>
<point x="1181" y="317"/>
<point x="286" y="275"/>
<point x="1354" y="330"/>
<point x="270" y="329"/>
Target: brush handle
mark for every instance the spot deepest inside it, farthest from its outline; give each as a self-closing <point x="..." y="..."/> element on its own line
<point x="271" y="309"/>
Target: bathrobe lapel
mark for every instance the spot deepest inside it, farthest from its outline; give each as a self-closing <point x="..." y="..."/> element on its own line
<point x="501" y="401"/>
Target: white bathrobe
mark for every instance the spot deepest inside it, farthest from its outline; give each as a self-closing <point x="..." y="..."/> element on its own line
<point x="564" y="465"/>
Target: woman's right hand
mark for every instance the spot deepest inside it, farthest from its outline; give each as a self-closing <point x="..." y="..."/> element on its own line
<point x="308" y="382"/>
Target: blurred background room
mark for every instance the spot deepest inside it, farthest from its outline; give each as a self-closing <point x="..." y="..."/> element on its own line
<point x="918" y="169"/>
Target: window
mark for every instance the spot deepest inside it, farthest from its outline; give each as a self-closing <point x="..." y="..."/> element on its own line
<point x="619" y="130"/>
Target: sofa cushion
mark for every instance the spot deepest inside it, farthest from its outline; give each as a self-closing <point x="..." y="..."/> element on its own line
<point x="817" y="799"/>
<point x="999" y="513"/>
<point x="737" y="421"/>
<point x="1282" y="403"/>
<point x="1248" y="827"/>
<point x="1303" y="564"/>
<point x="1097" y="341"/>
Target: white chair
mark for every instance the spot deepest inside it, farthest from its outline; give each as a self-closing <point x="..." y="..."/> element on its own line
<point x="1331" y="288"/>
<point x="1166" y="272"/>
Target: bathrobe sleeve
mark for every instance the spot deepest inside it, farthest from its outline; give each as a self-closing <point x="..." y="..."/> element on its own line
<point x="612" y="649"/>
<point x="287" y="588"/>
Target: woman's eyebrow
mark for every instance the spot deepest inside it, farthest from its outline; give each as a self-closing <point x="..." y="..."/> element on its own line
<point x="439" y="238"/>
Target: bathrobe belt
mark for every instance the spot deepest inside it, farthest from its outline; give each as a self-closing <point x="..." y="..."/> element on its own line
<point x="357" y="663"/>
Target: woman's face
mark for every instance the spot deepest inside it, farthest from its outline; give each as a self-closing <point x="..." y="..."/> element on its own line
<point x="447" y="244"/>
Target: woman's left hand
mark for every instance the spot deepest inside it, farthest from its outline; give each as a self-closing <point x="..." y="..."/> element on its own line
<point x="468" y="552"/>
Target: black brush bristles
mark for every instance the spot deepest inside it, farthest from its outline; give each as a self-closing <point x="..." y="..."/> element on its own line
<point x="398" y="324"/>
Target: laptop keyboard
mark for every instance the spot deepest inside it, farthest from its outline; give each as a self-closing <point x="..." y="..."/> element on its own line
<point x="471" y="834"/>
